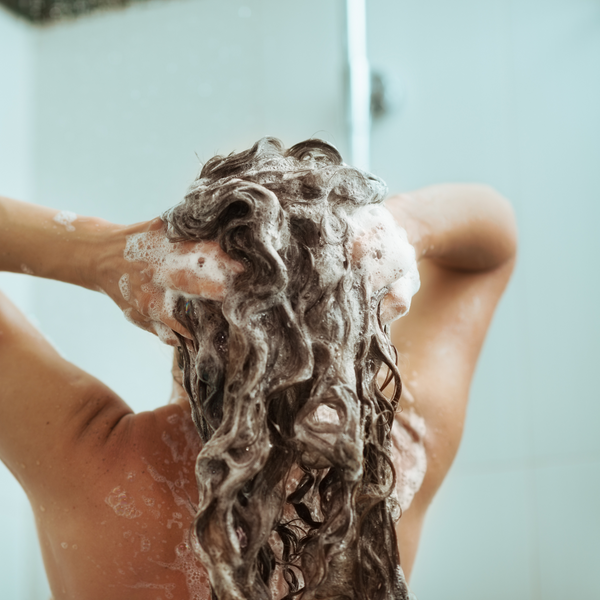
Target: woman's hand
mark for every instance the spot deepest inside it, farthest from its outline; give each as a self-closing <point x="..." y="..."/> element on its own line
<point x="381" y="249"/>
<point x="135" y="265"/>
<point x="145" y="274"/>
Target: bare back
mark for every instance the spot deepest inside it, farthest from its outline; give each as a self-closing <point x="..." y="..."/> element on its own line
<point x="114" y="493"/>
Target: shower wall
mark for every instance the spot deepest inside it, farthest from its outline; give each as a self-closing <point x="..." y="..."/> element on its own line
<point x="129" y="103"/>
<point x="507" y="92"/>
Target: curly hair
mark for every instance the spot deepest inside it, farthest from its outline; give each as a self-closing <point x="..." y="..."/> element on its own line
<point x="295" y="475"/>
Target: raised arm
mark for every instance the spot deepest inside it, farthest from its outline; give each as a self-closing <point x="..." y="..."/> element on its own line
<point x="468" y="227"/>
<point x="50" y="410"/>
<point x="465" y="238"/>
<point x="135" y="265"/>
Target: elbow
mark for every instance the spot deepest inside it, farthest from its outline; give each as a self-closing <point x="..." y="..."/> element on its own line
<point x="502" y="223"/>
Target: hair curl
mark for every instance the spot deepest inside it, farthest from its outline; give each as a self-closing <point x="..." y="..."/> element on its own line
<point x="295" y="475"/>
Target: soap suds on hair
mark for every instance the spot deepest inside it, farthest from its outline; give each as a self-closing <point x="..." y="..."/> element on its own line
<point x="66" y="218"/>
<point x="282" y="373"/>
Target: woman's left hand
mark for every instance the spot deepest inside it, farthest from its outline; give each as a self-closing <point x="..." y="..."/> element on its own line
<point x="381" y="249"/>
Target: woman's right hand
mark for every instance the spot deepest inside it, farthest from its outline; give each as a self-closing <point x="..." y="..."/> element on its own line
<point x="145" y="274"/>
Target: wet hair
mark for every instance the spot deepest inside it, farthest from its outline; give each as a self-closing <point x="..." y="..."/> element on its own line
<point x="295" y="477"/>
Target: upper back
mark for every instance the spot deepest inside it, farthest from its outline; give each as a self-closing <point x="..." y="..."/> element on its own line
<point x="127" y="529"/>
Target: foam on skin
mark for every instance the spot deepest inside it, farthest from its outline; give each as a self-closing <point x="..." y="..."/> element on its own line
<point x="186" y="561"/>
<point x="169" y="260"/>
<point x="196" y="576"/>
<point x="66" y="218"/>
<point x="125" y="287"/>
<point x="164" y="333"/>
<point x="122" y="504"/>
<point x="170" y="267"/>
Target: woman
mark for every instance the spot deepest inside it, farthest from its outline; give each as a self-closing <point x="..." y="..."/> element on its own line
<point x="275" y="279"/>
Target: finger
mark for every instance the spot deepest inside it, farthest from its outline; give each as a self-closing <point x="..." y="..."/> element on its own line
<point x="198" y="284"/>
<point x="171" y="323"/>
<point x="154" y="306"/>
<point x="164" y="333"/>
<point x="137" y="319"/>
<point x="392" y="307"/>
<point x="156" y="224"/>
<point x="396" y="303"/>
<point x="212" y="249"/>
<point x="207" y="275"/>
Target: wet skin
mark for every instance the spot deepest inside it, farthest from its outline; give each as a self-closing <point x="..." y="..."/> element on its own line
<point x="118" y="488"/>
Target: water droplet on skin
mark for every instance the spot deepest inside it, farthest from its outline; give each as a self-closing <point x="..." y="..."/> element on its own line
<point x="43" y="508"/>
<point x="182" y="549"/>
<point x="64" y="545"/>
<point x="74" y="546"/>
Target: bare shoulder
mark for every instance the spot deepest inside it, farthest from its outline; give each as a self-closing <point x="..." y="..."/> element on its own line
<point x="438" y="344"/>
<point x="124" y="529"/>
<point x="466" y="237"/>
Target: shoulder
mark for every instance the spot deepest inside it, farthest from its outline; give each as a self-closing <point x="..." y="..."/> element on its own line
<point x="438" y="344"/>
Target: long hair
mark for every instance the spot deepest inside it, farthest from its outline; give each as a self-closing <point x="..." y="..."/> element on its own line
<point x="295" y="475"/>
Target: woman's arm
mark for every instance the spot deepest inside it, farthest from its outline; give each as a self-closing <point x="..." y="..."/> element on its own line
<point x="468" y="227"/>
<point x="465" y="237"/>
<point x="48" y="243"/>
<point x="125" y="262"/>
<point x="52" y="412"/>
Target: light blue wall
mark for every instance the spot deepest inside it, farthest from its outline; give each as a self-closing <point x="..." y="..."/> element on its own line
<point x="128" y="103"/>
<point x="508" y="92"/>
<point x="103" y="115"/>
